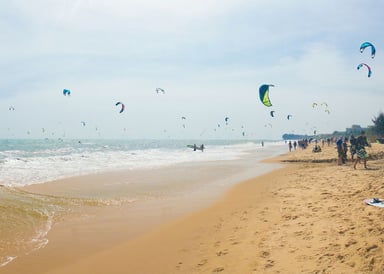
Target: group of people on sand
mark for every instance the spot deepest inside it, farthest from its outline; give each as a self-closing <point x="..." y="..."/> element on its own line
<point x="356" y="147"/>
<point x="303" y="144"/>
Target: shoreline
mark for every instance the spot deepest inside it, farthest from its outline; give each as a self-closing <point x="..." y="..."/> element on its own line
<point x="202" y="185"/>
<point x="308" y="216"/>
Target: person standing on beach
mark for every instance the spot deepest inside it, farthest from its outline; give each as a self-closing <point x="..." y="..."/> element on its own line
<point x="352" y="148"/>
<point x="290" y="146"/>
<point x="345" y="150"/>
<point x="328" y="141"/>
<point x="361" y="143"/>
<point x="340" y="151"/>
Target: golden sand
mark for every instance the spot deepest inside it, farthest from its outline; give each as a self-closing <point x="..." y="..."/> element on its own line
<point x="308" y="217"/>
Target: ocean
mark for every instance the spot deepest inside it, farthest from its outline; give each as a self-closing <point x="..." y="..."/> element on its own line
<point x="26" y="218"/>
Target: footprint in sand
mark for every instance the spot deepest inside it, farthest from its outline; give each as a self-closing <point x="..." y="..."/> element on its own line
<point x="369" y="248"/>
<point x="350" y="242"/>
<point x="288" y="217"/>
<point x="218" y="226"/>
<point x="179" y="265"/>
<point x="270" y="263"/>
<point x="218" y="269"/>
<point x="202" y="262"/>
<point x="333" y="208"/>
<point x="340" y="258"/>
<point x="351" y="264"/>
<point x="222" y="253"/>
<point x="236" y="228"/>
<point x="292" y="250"/>
<point x="235" y="243"/>
<point x="316" y="209"/>
<point x="299" y="233"/>
<point x="265" y="254"/>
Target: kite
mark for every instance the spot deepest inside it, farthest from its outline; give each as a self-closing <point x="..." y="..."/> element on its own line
<point x="158" y="90"/>
<point x="122" y="106"/>
<point x="66" y="92"/>
<point x="183" y="118"/>
<point x="264" y="95"/>
<point x="368" y="44"/>
<point x="83" y="123"/>
<point x="369" y="69"/>
<point x="226" y="120"/>
<point x="272" y="113"/>
<point x="11" y="108"/>
<point x="324" y="105"/>
<point x="289" y="116"/>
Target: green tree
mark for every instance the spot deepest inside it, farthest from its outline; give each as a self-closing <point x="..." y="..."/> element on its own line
<point x="378" y="124"/>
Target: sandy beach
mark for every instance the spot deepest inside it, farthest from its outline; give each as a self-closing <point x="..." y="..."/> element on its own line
<point x="306" y="217"/>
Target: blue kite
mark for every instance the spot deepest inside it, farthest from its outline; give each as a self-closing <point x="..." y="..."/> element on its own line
<point x="368" y="44"/>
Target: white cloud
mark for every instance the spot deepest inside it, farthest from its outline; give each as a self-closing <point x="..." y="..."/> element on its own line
<point x="211" y="56"/>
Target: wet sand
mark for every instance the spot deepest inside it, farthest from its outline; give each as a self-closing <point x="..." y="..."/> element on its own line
<point x="307" y="217"/>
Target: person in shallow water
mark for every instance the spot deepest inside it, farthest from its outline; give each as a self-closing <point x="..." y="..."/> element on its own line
<point x="202" y="147"/>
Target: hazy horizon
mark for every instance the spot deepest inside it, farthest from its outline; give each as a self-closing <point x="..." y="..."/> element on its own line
<point x="209" y="57"/>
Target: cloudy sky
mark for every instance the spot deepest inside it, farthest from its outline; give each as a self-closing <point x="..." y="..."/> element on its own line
<point x="210" y="57"/>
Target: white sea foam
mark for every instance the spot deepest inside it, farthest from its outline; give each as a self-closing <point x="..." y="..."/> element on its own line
<point x="41" y="162"/>
<point x="7" y="260"/>
<point x="25" y="162"/>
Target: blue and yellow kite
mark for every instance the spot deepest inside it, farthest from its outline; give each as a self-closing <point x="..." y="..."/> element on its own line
<point x="264" y="95"/>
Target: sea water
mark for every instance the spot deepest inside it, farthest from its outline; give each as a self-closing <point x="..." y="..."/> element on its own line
<point x="26" y="218"/>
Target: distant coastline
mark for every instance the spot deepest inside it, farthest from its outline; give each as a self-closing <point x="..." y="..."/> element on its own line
<point x="353" y="130"/>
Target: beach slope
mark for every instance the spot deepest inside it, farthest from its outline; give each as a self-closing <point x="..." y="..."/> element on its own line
<point x="307" y="217"/>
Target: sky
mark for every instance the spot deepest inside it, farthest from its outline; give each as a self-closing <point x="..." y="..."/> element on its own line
<point x="210" y="57"/>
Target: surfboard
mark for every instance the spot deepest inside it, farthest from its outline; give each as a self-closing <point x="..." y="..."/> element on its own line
<point x="375" y="202"/>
